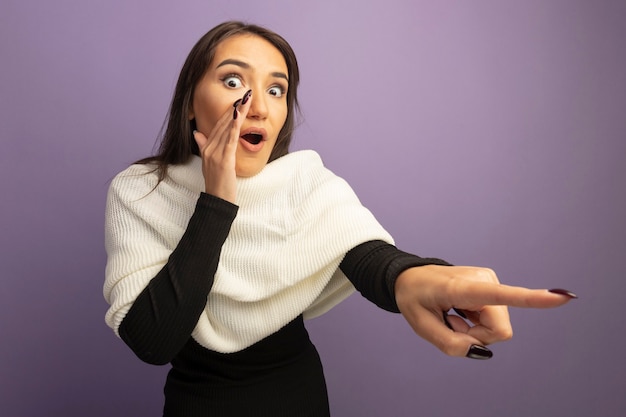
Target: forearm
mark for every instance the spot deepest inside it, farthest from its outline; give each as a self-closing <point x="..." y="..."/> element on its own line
<point x="165" y="313"/>
<point x="374" y="266"/>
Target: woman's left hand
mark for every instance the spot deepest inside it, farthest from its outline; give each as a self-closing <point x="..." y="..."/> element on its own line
<point x="425" y="294"/>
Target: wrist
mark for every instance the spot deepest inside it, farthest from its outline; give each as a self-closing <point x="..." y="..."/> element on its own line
<point x="417" y="284"/>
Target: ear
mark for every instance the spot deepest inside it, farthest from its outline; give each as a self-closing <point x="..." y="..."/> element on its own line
<point x="190" y="113"/>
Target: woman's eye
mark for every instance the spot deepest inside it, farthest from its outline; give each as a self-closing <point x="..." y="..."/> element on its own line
<point x="276" y="91"/>
<point x="232" y="81"/>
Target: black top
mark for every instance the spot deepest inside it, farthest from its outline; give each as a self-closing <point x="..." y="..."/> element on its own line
<point x="163" y="316"/>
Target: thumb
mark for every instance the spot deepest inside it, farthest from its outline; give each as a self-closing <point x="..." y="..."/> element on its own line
<point x="436" y="329"/>
<point x="200" y="139"/>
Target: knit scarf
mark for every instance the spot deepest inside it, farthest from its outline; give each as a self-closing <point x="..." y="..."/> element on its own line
<point x="296" y="221"/>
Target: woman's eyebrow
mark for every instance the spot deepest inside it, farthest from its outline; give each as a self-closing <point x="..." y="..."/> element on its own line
<point x="233" y="62"/>
<point x="245" y="65"/>
<point x="280" y="75"/>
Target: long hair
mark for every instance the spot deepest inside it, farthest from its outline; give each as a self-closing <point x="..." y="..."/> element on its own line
<point x="177" y="144"/>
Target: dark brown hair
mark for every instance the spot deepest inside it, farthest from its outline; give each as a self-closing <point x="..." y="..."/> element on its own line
<point x="177" y="143"/>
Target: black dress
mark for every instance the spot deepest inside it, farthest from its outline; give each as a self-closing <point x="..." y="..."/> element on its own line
<point x="280" y="375"/>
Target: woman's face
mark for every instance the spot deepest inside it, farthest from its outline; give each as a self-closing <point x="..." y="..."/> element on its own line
<point x="241" y="63"/>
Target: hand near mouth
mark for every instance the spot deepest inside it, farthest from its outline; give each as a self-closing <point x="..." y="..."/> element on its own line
<point x="218" y="151"/>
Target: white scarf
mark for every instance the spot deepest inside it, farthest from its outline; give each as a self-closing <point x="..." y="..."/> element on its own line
<point x="295" y="223"/>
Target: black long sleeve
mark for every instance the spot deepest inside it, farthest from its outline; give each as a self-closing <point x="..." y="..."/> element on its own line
<point x="165" y="313"/>
<point x="374" y="266"/>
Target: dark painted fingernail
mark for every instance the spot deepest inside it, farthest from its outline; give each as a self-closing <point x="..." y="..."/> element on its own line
<point x="479" y="352"/>
<point x="235" y="113"/>
<point x="445" y="320"/>
<point x="561" y="291"/>
<point x="246" y="97"/>
<point x="460" y="312"/>
<point x="236" y="103"/>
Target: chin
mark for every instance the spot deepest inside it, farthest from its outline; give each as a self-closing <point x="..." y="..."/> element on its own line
<point x="247" y="171"/>
<point x="248" y="166"/>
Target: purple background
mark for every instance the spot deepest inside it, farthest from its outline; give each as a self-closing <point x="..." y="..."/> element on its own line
<point x="485" y="132"/>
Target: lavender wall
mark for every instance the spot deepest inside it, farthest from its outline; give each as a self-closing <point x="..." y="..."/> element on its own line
<point x="485" y="132"/>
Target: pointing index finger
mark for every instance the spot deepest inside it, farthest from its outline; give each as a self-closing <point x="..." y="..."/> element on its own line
<point x="473" y="295"/>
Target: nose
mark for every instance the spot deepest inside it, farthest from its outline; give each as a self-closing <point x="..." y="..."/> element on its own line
<point x="258" y="106"/>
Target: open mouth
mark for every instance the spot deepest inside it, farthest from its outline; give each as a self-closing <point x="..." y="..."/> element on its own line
<point x="253" y="138"/>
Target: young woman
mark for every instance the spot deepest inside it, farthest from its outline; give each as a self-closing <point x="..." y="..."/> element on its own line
<point x="222" y="243"/>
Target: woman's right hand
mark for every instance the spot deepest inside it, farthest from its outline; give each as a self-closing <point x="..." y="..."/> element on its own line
<point x="218" y="151"/>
